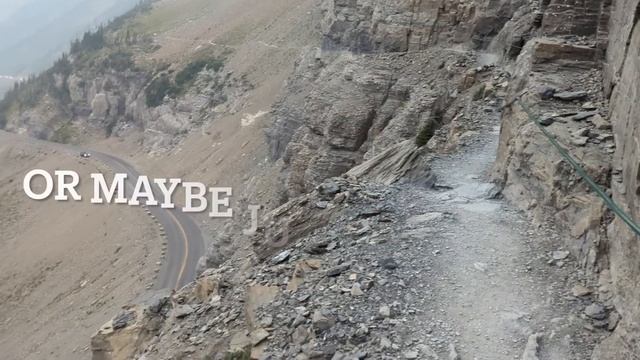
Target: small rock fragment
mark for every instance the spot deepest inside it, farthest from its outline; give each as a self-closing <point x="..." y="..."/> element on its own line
<point x="560" y="255"/>
<point x="424" y="218"/>
<point x="329" y="189"/>
<point x="182" y="311"/>
<point x="570" y="95"/>
<point x="339" y="356"/>
<point x="356" y="290"/>
<point x="389" y="264"/>
<point x="600" y="123"/>
<point x="581" y="141"/>
<point x="427" y="352"/>
<point x="321" y="321"/>
<point x="601" y="324"/>
<point x="546" y="92"/>
<point x="370" y="212"/>
<point x="547" y="120"/>
<point x="584" y="115"/>
<point x="596" y="311"/>
<point x="299" y="320"/>
<point x="322" y="204"/>
<point x="360" y="335"/>
<point x="337" y="270"/>
<point x="579" y="291"/>
<point x="122" y="320"/>
<point x="318" y="247"/>
<point x="258" y="335"/>
<point x="453" y="353"/>
<point x="411" y="355"/>
<point x="385" y="311"/>
<point x="480" y="266"/>
<point x="266" y="321"/>
<point x="531" y="349"/>
<point x="614" y="319"/>
<point x="361" y="355"/>
<point x="300" y="335"/>
<point x="281" y="257"/>
<point x="580" y="132"/>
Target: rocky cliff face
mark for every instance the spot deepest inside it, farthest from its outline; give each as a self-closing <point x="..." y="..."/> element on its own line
<point x="534" y="174"/>
<point x="603" y="98"/>
<point x="102" y="91"/>
<point x="622" y="76"/>
<point x="112" y="102"/>
<point x="357" y="107"/>
<point x="399" y="26"/>
<point x="370" y="87"/>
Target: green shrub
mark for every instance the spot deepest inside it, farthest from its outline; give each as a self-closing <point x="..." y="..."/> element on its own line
<point x="64" y="134"/>
<point x="62" y="66"/>
<point x="425" y="134"/>
<point x="429" y="128"/>
<point x="186" y="76"/>
<point x="160" y="87"/>
<point x="91" y="41"/>
<point x="239" y="354"/>
<point x="119" y="61"/>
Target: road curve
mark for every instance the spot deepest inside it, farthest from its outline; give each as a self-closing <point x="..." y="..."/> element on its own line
<point x="185" y="244"/>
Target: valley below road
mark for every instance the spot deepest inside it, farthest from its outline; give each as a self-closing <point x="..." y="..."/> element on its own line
<point x="77" y="261"/>
<point x="184" y="240"/>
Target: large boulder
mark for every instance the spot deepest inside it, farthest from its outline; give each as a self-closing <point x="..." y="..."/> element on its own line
<point x="100" y="106"/>
<point x="126" y="335"/>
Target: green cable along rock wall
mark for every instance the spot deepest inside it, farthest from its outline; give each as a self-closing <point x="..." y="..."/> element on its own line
<point x="552" y="59"/>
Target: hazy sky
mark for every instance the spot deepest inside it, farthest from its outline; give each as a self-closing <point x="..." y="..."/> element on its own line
<point x="9" y="7"/>
<point x="36" y="32"/>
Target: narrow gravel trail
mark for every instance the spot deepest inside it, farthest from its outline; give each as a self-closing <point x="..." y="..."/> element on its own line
<point x="481" y="277"/>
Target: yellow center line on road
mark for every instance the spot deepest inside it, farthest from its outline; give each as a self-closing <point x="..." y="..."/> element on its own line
<point x="186" y="250"/>
<point x="131" y="173"/>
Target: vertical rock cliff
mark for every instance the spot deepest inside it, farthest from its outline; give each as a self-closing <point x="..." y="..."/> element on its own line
<point x="373" y="84"/>
<point x="622" y="81"/>
<point x="589" y="52"/>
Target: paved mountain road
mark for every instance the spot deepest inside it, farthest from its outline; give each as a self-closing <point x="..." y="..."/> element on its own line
<point x="185" y="244"/>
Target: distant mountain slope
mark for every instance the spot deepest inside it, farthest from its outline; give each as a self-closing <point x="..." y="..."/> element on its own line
<point x="6" y="83"/>
<point x="41" y="30"/>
